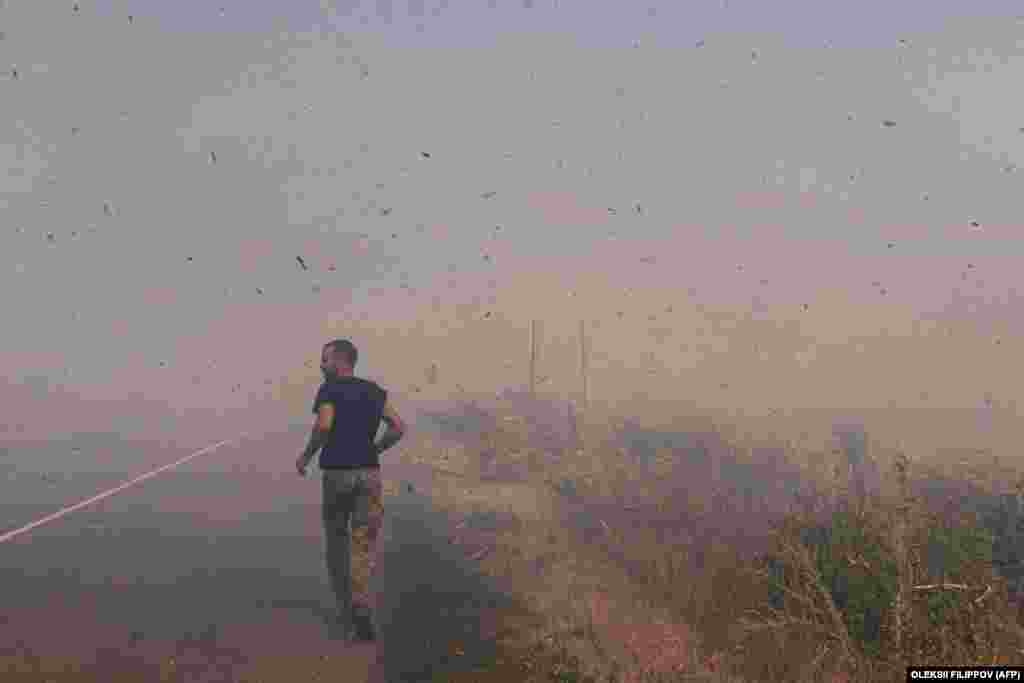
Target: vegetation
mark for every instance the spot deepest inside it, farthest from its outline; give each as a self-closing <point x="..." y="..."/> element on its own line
<point x="849" y="587"/>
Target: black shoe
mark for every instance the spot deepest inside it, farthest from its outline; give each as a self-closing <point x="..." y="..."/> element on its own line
<point x="340" y="628"/>
<point x="364" y="626"/>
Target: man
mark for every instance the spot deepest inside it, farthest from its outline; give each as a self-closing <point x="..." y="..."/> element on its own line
<point x="349" y="411"/>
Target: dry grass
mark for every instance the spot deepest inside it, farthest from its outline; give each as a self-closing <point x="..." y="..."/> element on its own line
<point x="631" y="604"/>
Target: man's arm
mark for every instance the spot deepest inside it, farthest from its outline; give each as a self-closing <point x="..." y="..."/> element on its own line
<point x="321" y="428"/>
<point x="394" y="432"/>
<point x="317" y="440"/>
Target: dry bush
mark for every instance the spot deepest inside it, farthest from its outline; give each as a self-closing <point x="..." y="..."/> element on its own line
<point x="835" y="578"/>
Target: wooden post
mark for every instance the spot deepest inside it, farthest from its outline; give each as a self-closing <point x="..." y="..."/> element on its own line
<point x="533" y="358"/>
<point x="579" y="415"/>
<point x="574" y="433"/>
<point x="583" y="366"/>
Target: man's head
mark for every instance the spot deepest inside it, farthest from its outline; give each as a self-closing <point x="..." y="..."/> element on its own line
<point x="338" y="359"/>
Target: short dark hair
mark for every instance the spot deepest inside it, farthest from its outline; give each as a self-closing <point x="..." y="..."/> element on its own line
<point x="346" y="349"/>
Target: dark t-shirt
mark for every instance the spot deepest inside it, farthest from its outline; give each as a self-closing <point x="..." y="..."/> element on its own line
<point x="358" y="410"/>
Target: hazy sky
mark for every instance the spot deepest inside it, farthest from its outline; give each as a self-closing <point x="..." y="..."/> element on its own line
<point x="162" y="175"/>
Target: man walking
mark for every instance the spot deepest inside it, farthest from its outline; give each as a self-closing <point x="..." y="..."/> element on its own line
<point x="349" y="411"/>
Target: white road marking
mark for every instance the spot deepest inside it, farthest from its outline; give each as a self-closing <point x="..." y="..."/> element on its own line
<point x="106" y="494"/>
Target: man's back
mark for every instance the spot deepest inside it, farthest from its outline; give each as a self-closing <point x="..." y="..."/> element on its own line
<point x="358" y="410"/>
<point x="349" y="411"/>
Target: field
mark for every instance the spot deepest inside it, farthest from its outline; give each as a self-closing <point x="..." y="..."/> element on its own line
<point x="713" y="557"/>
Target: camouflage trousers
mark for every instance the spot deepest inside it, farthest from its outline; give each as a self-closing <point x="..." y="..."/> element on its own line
<point x="353" y="514"/>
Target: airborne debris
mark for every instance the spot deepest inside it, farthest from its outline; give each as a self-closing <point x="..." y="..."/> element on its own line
<point x="425" y="155"/>
<point x="213" y="157"/>
<point x="488" y="195"/>
<point x="302" y="263"/>
<point x="888" y="123"/>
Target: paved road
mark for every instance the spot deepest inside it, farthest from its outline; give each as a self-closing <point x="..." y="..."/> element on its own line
<point x="218" y="565"/>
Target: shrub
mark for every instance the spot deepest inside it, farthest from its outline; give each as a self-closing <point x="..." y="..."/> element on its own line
<point x="839" y="580"/>
<point x="861" y="577"/>
<point x="951" y="552"/>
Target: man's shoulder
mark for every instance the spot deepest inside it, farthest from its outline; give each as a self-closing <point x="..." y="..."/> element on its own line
<point x="376" y="390"/>
<point x="359" y="382"/>
<point x="366" y="381"/>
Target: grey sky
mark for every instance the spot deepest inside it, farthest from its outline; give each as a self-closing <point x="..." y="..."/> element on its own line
<point x="319" y="137"/>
